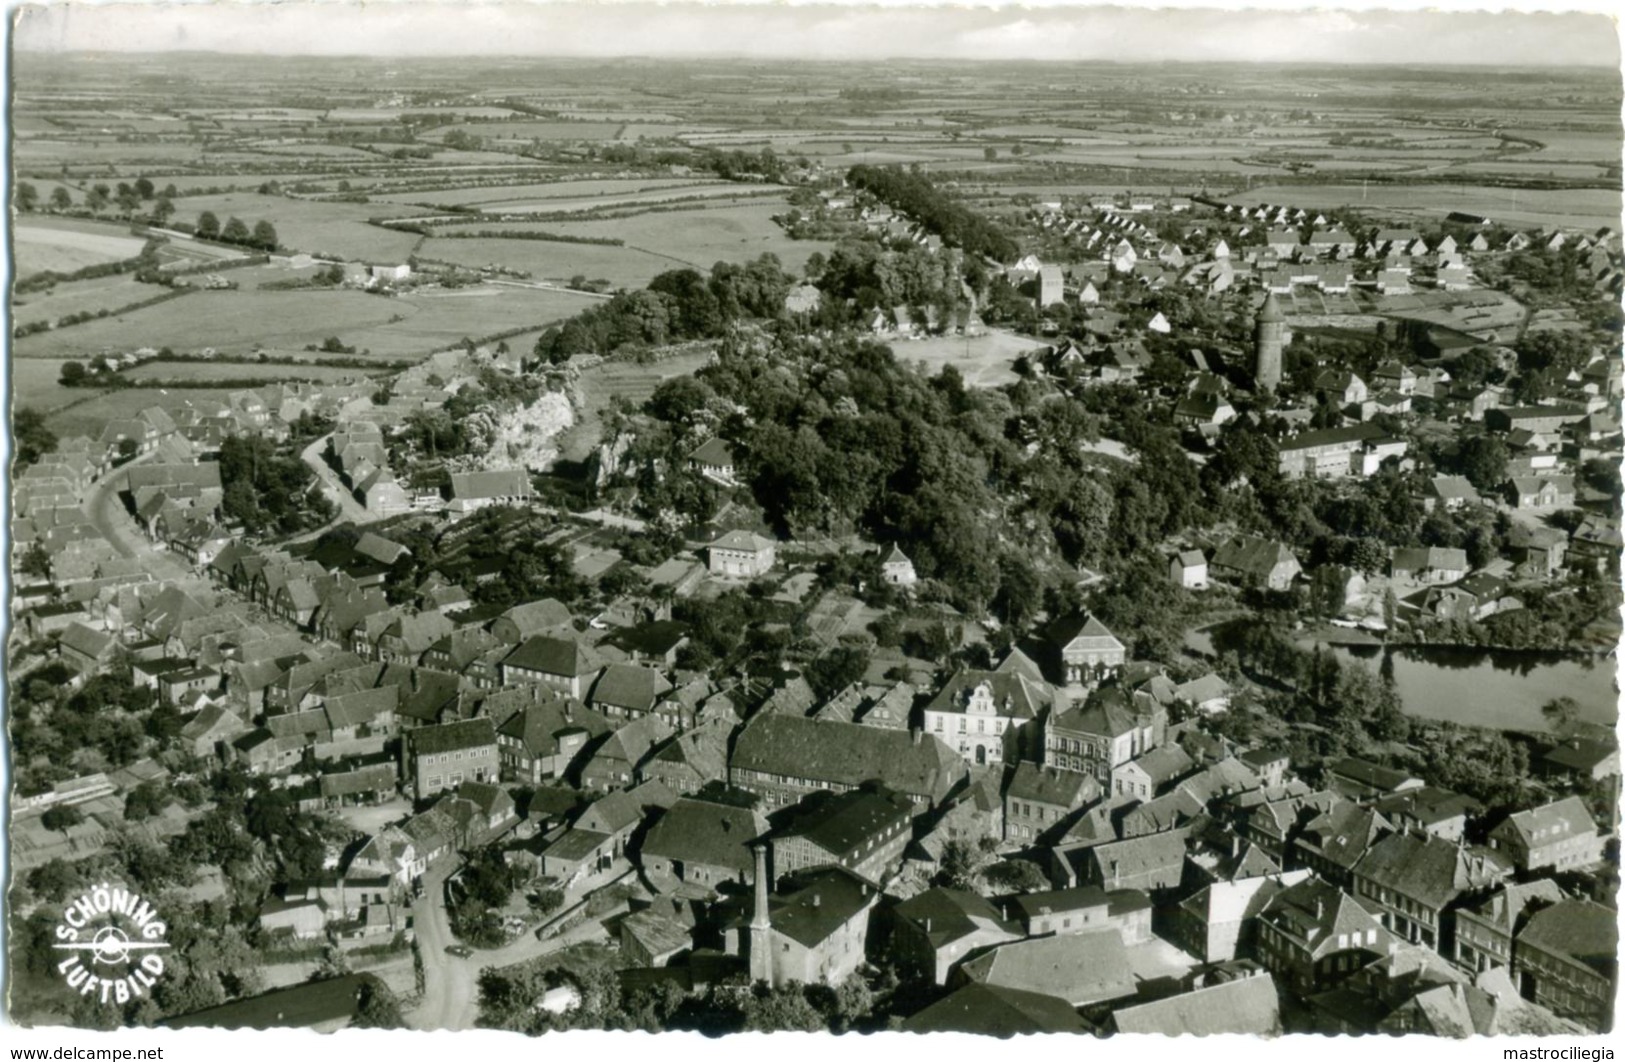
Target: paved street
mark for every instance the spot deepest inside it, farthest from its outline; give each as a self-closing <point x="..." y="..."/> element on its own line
<point x="349" y="508"/>
<point x="451" y="985"/>
<point x="106" y="511"/>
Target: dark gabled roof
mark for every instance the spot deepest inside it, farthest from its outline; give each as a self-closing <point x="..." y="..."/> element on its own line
<point x="1585" y="932"/>
<point x="1106" y="713"/>
<point x="1568" y="817"/>
<point x="993" y="1010"/>
<point x="713" y="452"/>
<point x="1049" y="785"/>
<point x="629" y="686"/>
<point x="1367" y="773"/>
<point x="1428" y="805"/>
<point x="1249" y="1006"/>
<point x="1015" y="695"/>
<point x="820" y="902"/>
<point x="1428" y="869"/>
<point x="1253" y="555"/>
<point x="948" y="914"/>
<point x="1058" y="901"/>
<point x="298" y="1007"/>
<point x="1083" y="968"/>
<point x="554" y="656"/>
<point x="698" y="831"/>
<point x="848" y="754"/>
<point x="845" y="823"/>
<point x="450" y="737"/>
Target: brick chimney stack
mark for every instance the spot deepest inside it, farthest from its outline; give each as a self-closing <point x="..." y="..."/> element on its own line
<point x="761" y="926"/>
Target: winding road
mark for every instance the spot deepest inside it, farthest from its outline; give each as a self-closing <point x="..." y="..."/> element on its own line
<point x="451" y="985"/>
<point x="107" y="514"/>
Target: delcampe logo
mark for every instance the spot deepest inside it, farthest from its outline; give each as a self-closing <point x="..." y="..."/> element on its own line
<point x="114" y="937"/>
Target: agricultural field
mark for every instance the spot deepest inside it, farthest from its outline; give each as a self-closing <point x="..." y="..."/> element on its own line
<point x="227" y="371"/>
<point x="80" y="296"/>
<point x="236" y="322"/>
<point x="1585" y="208"/>
<point x="733" y="232"/>
<point x="319" y="228"/>
<point x="34" y="385"/>
<point x="623" y="267"/>
<point x="63" y="245"/>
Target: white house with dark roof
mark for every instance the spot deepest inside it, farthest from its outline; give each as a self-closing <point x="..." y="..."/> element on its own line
<point x="896" y="568"/>
<point x="741" y="555"/>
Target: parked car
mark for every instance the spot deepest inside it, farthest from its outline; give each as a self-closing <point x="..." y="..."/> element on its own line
<point x="462" y="951"/>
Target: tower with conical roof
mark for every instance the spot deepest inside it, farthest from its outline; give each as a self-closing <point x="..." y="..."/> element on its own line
<point x="1269" y="336"/>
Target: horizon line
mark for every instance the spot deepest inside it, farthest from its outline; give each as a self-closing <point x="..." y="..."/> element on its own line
<point x="692" y="57"/>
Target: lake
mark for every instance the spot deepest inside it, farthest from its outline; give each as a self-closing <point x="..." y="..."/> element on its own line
<point x="1504" y="690"/>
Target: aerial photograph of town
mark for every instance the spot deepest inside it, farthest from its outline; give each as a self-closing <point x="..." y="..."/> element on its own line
<point x="924" y="538"/>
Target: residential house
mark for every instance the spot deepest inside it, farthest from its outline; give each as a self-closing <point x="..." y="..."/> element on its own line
<point x="1150" y="774"/>
<point x="563" y="664"/>
<point x="714" y="459"/>
<point x="1413" y="881"/>
<point x="1153" y="864"/>
<point x="691" y="760"/>
<point x="1083" y="968"/>
<point x="1428" y="564"/>
<point x="1256" y="562"/>
<point x="1220" y="921"/>
<point x="628" y="691"/>
<point x="1430" y="810"/>
<point x="1313" y="936"/>
<point x="1561" y="836"/>
<point x="932" y="931"/>
<point x="1567" y="958"/>
<point x="741" y="555"/>
<point x="444" y="756"/>
<point x="472" y="491"/>
<point x="1039" y="799"/>
<point x="1334" y="841"/>
<point x="1485" y="931"/>
<point x="702" y="844"/>
<point x="1103" y="732"/>
<point x="520" y="623"/>
<point x="1189" y="569"/>
<point x="614" y="763"/>
<point x="1247" y="1006"/>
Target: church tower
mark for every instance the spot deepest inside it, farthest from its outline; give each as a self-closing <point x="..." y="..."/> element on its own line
<point x="1269" y="335"/>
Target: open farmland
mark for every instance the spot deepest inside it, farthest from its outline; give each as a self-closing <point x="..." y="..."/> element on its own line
<point x="237" y="321"/>
<point x="732" y="232"/>
<point x="34" y="385"/>
<point x="1585" y="208"/>
<point x="624" y="267"/>
<point x="227" y="371"/>
<point x="61" y="245"/>
<point x="80" y="296"/>
<point x="319" y="228"/>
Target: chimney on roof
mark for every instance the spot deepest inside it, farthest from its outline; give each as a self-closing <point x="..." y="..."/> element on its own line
<point x="818" y="901"/>
<point x="1235" y="846"/>
<point x="919" y="736"/>
<point x="1320" y="908"/>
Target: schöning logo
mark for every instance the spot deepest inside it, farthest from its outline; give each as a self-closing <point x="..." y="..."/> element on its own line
<point x="114" y="937"/>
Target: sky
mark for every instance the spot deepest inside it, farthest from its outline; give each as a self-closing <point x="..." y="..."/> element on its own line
<point x="1205" y="31"/>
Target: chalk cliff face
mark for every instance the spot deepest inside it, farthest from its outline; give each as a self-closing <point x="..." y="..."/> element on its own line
<point x="527" y="437"/>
